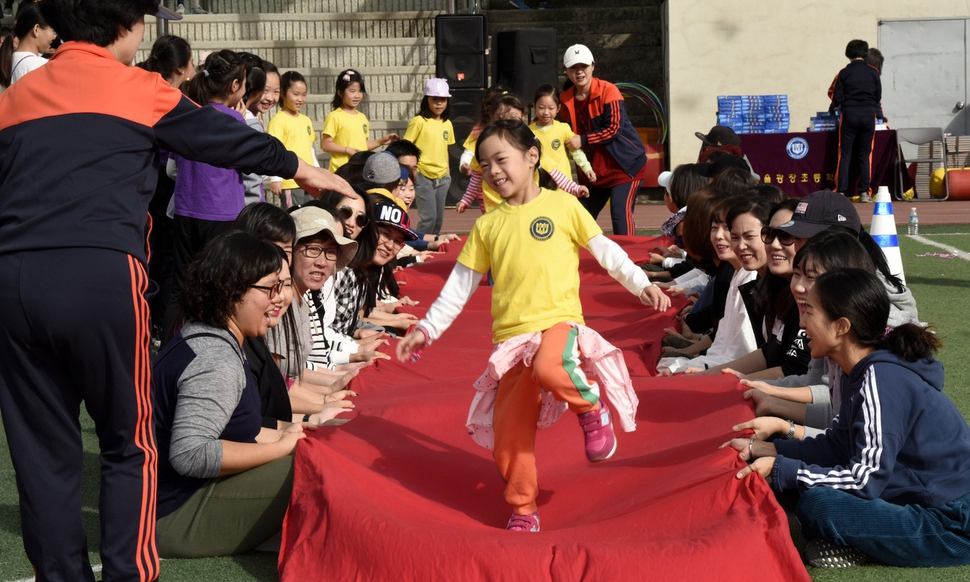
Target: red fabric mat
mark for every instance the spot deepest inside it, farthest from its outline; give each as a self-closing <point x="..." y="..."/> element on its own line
<point x="402" y="493"/>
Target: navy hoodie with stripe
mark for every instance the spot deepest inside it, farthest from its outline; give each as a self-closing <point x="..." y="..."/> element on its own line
<point x="897" y="437"/>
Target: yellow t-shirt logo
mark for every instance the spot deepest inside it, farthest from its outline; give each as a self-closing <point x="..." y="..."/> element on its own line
<point x="541" y="228"/>
<point x="445" y="135"/>
<point x="556" y="144"/>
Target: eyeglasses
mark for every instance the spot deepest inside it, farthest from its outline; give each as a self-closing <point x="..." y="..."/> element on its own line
<point x="346" y="213"/>
<point x="769" y="234"/>
<point x="272" y="290"/>
<point x="382" y="237"/>
<point x="314" y="251"/>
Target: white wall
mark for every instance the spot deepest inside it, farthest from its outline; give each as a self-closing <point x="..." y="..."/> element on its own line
<point x="749" y="47"/>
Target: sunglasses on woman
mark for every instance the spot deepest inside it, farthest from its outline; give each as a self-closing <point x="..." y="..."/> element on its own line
<point x="346" y="213"/>
<point x="769" y="234"/>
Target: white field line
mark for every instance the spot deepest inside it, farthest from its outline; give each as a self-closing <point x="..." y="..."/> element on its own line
<point x="952" y="250"/>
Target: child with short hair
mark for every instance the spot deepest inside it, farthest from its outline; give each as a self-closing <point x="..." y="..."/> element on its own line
<point x="537" y="316"/>
<point x="346" y="130"/>
<point x="856" y="95"/>
<point x="295" y="130"/>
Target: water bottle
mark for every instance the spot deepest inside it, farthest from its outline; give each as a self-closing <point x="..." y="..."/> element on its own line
<point x="913" y="222"/>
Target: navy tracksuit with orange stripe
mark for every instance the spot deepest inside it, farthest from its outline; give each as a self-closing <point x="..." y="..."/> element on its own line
<point x="614" y="149"/>
<point x="79" y="143"/>
<point x="856" y="92"/>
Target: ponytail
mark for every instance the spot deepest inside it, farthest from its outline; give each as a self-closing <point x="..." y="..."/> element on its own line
<point x="169" y="54"/>
<point x="866" y="307"/>
<point x="545" y="180"/>
<point x="6" y="60"/>
<point x="215" y="77"/>
<point x="911" y="342"/>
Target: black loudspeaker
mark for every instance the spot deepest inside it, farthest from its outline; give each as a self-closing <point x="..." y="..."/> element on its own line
<point x="524" y="59"/>
<point x="460" y="50"/>
<point x="464" y="108"/>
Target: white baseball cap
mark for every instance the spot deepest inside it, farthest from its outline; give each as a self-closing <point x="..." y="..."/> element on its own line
<point x="576" y="55"/>
<point x="435" y="87"/>
<point x="663" y="180"/>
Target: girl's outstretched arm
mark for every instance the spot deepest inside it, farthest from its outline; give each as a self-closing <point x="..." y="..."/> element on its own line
<point x="618" y="264"/>
<point x="458" y="289"/>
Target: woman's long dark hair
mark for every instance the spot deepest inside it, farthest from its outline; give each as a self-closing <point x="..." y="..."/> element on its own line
<point x="519" y="136"/>
<point x="866" y="306"/>
<point x="169" y="54"/>
<point x="28" y="16"/>
<point x="775" y="292"/>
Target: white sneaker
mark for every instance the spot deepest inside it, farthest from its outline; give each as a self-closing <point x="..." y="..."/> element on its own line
<point x="180" y="8"/>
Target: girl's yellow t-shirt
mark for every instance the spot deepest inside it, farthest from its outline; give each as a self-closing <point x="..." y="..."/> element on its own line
<point x="349" y="129"/>
<point x="532" y="251"/>
<point x="553" y="138"/>
<point x="432" y="136"/>
<point x="296" y="134"/>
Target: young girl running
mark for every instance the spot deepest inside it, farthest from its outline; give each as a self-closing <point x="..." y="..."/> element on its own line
<point x="432" y="132"/>
<point x="295" y="131"/>
<point x="537" y="317"/>
<point x="346" y="129"/>
<point x="508" y="106"/>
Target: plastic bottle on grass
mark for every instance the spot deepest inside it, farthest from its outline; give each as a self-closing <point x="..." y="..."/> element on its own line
<point x="913" y="222"/>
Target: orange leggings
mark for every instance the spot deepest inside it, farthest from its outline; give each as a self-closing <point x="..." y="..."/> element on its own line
<point x="555" y="367"/>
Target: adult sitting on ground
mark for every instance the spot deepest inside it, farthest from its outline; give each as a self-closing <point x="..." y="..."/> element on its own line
<point x="890" y="481"/>
<point x="223" y="480"/>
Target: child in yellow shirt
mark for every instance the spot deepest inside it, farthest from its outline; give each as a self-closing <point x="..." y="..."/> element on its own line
<point x="295" y="131"/>
<point x="530" y="243"/>
<point x="432" y="132"/>
<point x="554" y="136"/>
<point x="346" y="130"/>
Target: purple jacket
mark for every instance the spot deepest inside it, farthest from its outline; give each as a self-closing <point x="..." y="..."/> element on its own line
<point x="207" y="192"/>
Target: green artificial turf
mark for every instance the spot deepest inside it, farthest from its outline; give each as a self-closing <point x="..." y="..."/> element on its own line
<point x="942" y="290"/>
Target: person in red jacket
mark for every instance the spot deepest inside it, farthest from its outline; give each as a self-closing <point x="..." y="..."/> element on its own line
<point x="79" y="150"/>
<point x="595" y="111"/>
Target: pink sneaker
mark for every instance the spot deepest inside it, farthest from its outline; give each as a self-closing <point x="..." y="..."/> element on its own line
<point x="598" y="432"/>
<point x="528" y="523"/>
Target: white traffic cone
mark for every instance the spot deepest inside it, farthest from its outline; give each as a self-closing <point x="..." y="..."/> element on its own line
<point x="883" y="231"/>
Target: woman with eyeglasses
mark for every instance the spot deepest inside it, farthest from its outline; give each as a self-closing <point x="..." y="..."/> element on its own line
<point x="336" y="342"/>
<point x="273" y="224"/>
<point x="223" y="479"/>
<point x="319" y="251"/>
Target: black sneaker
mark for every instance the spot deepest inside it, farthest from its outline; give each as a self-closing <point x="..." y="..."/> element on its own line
<point x="824" y="554"/>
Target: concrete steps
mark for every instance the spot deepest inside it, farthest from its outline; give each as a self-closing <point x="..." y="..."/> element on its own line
<point x="302" y="26"/>
<point x="321" y="6"/>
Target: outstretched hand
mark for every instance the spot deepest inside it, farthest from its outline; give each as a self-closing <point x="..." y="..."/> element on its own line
<point x="654" y="297"/>
<point x="410" y="347"/>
